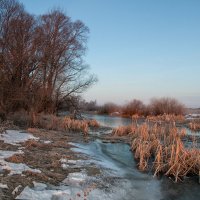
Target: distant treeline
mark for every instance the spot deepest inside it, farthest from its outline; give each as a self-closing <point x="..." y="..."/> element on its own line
<point x="41" y="59"/>
<point x="157" y="106"/>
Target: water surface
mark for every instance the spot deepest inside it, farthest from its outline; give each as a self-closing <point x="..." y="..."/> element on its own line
<point x="118" y="160"/>
<point x="109" y="121"/>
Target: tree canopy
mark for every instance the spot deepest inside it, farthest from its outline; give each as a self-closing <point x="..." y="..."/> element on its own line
<point x="41" y="58"/>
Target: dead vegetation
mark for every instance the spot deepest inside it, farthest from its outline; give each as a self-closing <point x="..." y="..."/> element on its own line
<point x="194" y="125"/>
<point x="16" y="158"/>
<point x="160" y="147"/>
<point x="7" y="125"/>
<point x="39" y="155"/>
<point x="124" y="130"/>
<point x="52" y="122"/>
<point x="166" y="118"/>
<point x="164" y="144"/>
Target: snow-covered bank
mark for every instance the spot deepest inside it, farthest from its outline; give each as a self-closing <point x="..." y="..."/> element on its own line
<point x="13" y="168"/>
<point x="77" y="167"/>
<point x="14" y="137"/>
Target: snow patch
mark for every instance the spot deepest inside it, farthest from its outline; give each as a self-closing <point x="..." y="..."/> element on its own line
<point x="3" y="186"/>
<point x="56" y="193"/>
<point x="75" y="179"/>
<point x="65" y="163"/>
<point x="192" y="116"/>
<point x="122" y="190"/>
<point x="15" y="137"/>
<point x="39" y="186"/>
<point x="14" y="168"/>
<point x="7" y="154"/>
<point x="63" y="160"/>
<point x="64" y="166"/>
<point x="16" y="190"/>
<point x="47" y="142"/>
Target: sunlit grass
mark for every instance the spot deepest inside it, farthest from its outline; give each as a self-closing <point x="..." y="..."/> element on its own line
<point x="195" y="125"/>
<point x="166" y="118"/>
<point x="52" y="122"/>
<point x="160" y="147"/>
<point x="124" y="130"/>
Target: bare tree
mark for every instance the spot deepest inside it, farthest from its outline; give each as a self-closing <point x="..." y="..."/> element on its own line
<point x="63" y="43"/>
<point x="16" y="55"/>
<point x="41" y="59"/>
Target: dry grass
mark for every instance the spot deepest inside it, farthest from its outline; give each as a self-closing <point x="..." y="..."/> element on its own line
<point x="32" y="130"/>
<point x="93" y="123"/>
<point x="52" y="122"/>
<point x="16" y="158"/>
<point x="124" y="130"/>
<point x="69" y="124"/>
<point x="194" y="125"/>
<point x="40" y="176"/>
<point x="127" y="130"/>
<point x="7" y="125"/>
<point x="31" y="143"/>
<point x="166" y="118"/>
<point x="163" y="145"/>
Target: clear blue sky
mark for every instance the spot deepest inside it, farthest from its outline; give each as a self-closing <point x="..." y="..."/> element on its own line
<point x="138" y="48"/>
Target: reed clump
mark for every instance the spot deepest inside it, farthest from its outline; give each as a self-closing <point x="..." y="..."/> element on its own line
<point x="52" y="122"/>
<point x="69" y="124"/>
<point x="194" y="125"/>
<point x="166" y="118"/>
<point x="93" y="123"/>
<point x="160" y="147"/>
<point x="127" y="130"/>
<point x="124" y="130"/>
<point x="135" y="117"/>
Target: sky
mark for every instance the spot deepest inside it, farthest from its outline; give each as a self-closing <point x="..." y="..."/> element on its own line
<point x="139" y="49"/>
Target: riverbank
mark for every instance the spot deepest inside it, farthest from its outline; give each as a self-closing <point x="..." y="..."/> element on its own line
<point x="49" y="164"/>
<point x="47" y="152"/>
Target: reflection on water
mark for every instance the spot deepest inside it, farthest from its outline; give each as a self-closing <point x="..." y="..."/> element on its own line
<point x="187" y="190"/>
<point x="109" y="121"/>
<point x="119" y="159"/>
<point x="189" y="132"/>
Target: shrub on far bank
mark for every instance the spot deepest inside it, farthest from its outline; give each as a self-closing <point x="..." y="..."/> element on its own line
<point x="157" y="106"/>
<point x="109" y="108"/>
<point x="134" y="107"/>
<point x="166" y="105"/>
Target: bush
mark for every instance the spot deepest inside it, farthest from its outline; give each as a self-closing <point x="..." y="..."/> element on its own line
<point x="109" y="108"/>
<point x="134" y="107"/>
<point x="166" y="106"/>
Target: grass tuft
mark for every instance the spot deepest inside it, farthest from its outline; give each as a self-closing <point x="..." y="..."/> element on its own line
<point x="162" y="145"/>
